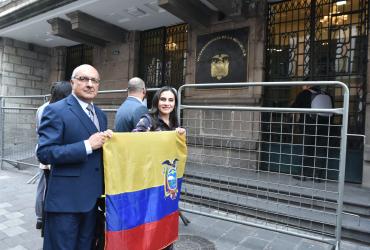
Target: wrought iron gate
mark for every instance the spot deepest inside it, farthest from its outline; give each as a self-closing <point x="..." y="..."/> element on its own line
<point x="163" y="56"/>
<point x="77" y="55"/>
<point x="321" y="40"/>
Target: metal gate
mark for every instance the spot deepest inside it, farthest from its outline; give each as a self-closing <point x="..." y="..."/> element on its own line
<point x="236" y="170"/>
<point x="163" y="56"/>
<point x="321" y="40"/>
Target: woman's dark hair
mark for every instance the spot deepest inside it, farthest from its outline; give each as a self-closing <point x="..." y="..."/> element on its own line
<point x="59" y="91"/>
<point x="154" y="112"/>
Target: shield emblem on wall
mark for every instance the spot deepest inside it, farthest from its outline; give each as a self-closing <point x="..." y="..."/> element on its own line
<point x="222" y="57"/>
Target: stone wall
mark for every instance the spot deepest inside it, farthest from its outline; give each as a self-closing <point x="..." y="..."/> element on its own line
<point x="24" y="71"/>
<point x="228" y="137"/>
<point x="255" y="61"/>
<point x="57" y="64"/>
<point x="117" y="62"/>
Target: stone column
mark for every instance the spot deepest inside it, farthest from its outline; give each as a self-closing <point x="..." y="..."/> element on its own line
<point x="58" y="64"/>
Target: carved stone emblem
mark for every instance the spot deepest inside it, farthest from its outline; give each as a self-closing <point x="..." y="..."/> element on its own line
<point x="220" y="66"/>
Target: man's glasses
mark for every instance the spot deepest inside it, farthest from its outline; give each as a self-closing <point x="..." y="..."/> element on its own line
<point x="86" y="79"/>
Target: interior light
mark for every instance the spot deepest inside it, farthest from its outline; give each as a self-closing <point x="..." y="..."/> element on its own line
<point x="170" y="44"/>
<point x="341" y="3"/>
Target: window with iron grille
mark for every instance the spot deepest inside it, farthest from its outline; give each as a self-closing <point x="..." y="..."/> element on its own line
<point x="163" y="55"/>
<point x="77" y="55"/>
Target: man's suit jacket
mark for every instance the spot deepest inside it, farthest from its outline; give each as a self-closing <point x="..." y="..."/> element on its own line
<point x="129" y="114"/>
<point x="76" y="179"/>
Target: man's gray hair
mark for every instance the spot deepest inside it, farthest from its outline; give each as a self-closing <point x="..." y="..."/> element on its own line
<point x="136" y="84"/>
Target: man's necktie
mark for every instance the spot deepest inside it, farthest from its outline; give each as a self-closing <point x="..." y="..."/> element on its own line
<point x="92" y="116"/>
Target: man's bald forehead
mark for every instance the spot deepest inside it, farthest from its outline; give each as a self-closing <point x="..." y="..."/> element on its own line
<point x="83" y="67"/>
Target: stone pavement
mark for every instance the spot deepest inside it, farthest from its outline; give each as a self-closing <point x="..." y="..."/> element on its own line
<point x="17" y="226"/>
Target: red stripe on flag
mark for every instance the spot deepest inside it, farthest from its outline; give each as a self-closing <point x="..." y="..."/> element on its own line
<point x="151" y="236"/>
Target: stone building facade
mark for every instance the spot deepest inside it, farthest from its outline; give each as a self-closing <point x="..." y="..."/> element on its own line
<point x="28" y="65"/>
<point x="25" y="68"/>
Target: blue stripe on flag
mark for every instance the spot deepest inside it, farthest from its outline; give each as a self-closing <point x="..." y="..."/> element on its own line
<point x="129" y="210"/>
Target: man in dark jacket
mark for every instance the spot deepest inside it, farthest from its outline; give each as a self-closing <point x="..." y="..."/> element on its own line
<point x="315" y="130"/>
<point x="132" y="108"/>
<point x="71" y="136"/>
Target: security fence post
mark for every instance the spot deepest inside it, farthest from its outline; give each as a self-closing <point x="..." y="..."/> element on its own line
<point x="1" y="132"/>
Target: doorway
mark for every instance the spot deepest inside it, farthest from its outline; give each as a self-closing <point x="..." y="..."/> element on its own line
<point x="321" y="40"/>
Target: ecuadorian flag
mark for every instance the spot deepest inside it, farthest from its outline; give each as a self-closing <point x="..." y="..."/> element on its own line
<point x="143" y="174"/>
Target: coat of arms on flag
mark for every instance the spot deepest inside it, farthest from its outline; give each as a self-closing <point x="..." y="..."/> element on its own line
<point x="170" y="178"/>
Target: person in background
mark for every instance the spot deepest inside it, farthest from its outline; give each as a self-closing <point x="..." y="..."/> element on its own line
<point x="71" y="135"/>
<point x="129" y="113"/>
<point x="58" y="91"/>
<point x="315" y="130"/>
<point x="162" y="117"/>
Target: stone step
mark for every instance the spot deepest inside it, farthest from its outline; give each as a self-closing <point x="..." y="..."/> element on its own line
<point x="280" y="195"/>
<point x="283" y="187"/>
<point x="294" y="209"/>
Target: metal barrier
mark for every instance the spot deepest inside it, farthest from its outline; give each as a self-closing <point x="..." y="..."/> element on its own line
<point x="242" y="160"/>
<point x="18" y="136"/>
<point x="18" y="132"/>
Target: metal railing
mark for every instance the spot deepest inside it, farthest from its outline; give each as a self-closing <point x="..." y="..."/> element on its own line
<point x="18" y="133"/>
<point x="18" y="136"/>
<point x="265" y="166"/>
<point x="241" y="159"/>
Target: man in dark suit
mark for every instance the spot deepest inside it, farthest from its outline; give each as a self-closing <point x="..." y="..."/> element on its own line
<point x="131" y="110"/>
<point x="70" y="140"/>
<point x="315" y="130"/>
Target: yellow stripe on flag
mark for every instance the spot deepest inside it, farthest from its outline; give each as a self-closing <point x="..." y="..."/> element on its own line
<point x="133" y="161"/>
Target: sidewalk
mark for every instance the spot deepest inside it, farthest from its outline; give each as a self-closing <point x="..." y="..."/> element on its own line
<point x="17" y="226"/>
